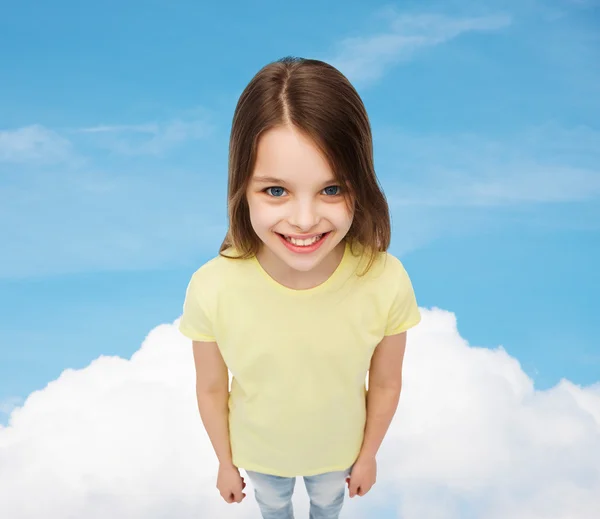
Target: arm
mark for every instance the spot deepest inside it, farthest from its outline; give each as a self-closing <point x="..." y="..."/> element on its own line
<point x="212" y="392"/>
<point x="385" y="383"/>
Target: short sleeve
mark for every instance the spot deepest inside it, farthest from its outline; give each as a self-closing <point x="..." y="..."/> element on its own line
<point x="404" y="312"/>
<point x="196" y="322"/>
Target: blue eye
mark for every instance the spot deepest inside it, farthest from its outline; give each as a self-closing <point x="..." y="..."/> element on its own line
<point x="278" y="192"/>
<point x="275" y="191"/>
<point x="336" y="190"/>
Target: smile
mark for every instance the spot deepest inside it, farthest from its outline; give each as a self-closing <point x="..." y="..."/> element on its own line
<point x="303" y="245"/>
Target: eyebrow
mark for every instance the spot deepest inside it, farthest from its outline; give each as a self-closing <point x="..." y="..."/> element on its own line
<point x="280" y="181"/>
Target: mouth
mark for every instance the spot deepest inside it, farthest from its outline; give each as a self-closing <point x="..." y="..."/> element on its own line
<point x="303" y="245"/>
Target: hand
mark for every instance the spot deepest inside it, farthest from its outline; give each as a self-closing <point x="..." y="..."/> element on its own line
<point x="230" y="484"/>
<point x="362" y="477"/>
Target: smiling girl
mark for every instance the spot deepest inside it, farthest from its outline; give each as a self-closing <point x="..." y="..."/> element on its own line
<point x="303" y="299"/>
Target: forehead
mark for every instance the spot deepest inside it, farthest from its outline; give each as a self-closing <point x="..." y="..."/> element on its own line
<point x="290" y="155"/>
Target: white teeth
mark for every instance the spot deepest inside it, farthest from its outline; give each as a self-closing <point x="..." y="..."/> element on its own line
<point x="303" y="243"/>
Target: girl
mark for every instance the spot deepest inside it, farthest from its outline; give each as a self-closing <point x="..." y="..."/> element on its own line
<point x="303" y="299"/>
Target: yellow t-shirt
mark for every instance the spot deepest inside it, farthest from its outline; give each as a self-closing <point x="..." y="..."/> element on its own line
<point x="298" y="358"/>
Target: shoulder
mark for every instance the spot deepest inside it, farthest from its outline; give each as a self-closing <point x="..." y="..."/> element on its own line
<point x="386" y="276"/>
<point x="206" y="271"/>
<point x="217" y="269"/>
<point x="207" y="275"/>
<point x="392" y="263"/>
<point x="386" y="267"/>
<point x="397" y="274"/>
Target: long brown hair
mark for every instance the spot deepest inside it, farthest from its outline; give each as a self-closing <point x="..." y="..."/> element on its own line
<point x="317" y="99"/>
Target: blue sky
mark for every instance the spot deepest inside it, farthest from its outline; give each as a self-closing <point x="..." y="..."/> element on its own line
<point x="114" y="122"/>
<point x="114" y="125"/>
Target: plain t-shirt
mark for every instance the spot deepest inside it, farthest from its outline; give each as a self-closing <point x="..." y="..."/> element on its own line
<point x="298" y="358"/>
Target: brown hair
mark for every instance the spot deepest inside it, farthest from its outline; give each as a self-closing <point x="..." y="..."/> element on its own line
<point x="318" y="100"/>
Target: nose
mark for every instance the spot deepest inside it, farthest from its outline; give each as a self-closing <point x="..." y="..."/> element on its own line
<point x="304" y="215"/>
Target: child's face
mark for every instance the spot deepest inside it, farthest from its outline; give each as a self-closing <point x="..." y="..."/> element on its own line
<point x="301" y="199"/>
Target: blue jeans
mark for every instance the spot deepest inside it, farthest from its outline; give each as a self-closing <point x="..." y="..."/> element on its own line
<point x="325" y="491"/>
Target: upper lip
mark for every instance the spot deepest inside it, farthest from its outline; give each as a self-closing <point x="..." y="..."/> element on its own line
<point x="302" y="236"/>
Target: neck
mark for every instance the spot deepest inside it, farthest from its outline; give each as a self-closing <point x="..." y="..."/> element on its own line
<point x="298" y="280"/>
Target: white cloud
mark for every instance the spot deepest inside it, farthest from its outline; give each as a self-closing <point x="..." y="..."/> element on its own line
<point x="92" y="220"/>
<point x="141" y="128"/>
<point x="34" y="144"/>
<point x="38" y="145"/>
<point x="472" y="438"/>
<point x="147" y="139"/>
<point x="139" y="216"/>
<point x="364" y="59"/>
<point x="545" y="164"/>
<point x="9" y="404"/>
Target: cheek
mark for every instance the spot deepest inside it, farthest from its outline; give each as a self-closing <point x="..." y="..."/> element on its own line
<point x="253" y="212"/>
<point x="344" y="216"/>
<point x="262" y="215"/>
